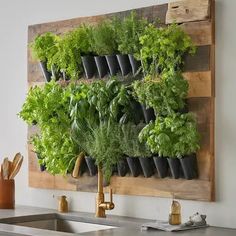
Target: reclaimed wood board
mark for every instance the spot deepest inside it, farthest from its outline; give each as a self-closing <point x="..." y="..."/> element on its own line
<point x="188" y="10"/>
<point x="197" y="19"/>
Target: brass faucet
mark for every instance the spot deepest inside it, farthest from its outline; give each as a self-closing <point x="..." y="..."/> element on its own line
<point x="101" y="205"/>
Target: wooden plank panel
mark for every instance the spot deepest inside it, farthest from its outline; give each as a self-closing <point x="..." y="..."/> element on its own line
<point x="85" y="183"/>
<point x="32" y="129"/>
<point x="198" y="62"/>
<point x="151" y="13"/>
<point x="200" y="32"/>
<point x="201" y="107"/>
<point x="62" y="183"/>
<point x="212" y="111"/>
<point x="41" y="180"/>
<point x="33" y="162"/>
<point x="183" y="189"/>
<point x="199" y="83"/>
<point x="188" y="10"/>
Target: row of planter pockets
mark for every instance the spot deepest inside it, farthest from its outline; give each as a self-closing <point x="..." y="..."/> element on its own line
<point x="101" y="66"/>
<point x="185" y="167"/>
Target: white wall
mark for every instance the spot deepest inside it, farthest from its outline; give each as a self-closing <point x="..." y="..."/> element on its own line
<point x="16" y="15"/>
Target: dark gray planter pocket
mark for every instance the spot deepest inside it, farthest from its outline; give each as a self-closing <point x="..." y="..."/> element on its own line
<point x="161" y="164"/>
<point x="41" y="166"/>
<point x="83" y="168"/>
<point x="147" y="166"/>
<point x="91" y="165"/>
<point x="137" y="113"/>
<point x="47" y="74"/>
<point x="102" y="66"/>
<point x="189" y="166"/>
<point x="185" y="108"/>
<point x="175" y="167"/>
<point x="124" y="64"/>
<point x="122" y="167"/>
<point x="134" y="166"/>
<point x="89" y="65"/>
<point x="135" y="64"/>
<point x="148" y="114"/>
<point x="113" y="64"/>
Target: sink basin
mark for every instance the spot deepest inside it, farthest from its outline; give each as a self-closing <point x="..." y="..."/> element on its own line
<point x="63" y="225"/>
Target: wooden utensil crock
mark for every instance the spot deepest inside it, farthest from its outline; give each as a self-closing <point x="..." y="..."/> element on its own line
<point x="7" y="194"/>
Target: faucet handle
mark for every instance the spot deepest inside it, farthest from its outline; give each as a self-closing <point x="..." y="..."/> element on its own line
<point x="111" y="197"/>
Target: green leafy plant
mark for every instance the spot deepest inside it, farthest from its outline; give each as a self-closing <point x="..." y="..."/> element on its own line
<point x="105" y="147"/>
<point x="50" y="108"/>
<point x="172" y="136"/>
<point x="44" y="47"/>
<point x="163" y="49"/>
<point x="82" y="134"/>
<point x="32" y="107"/>
<point x="130" y="143"/>
<point x="111" y="99"/>
<point x="165" y="96"/>
<point x="103" y="40"/>
<point x="70" y="48"/>
<point x="38" y="148"/>
<point x="84" y="116"/>
<point x="128" y="32"/>
<point x="80" y="109"/>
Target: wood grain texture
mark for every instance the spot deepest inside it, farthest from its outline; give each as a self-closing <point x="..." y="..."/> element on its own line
<point x="199" y="23"/>
<point x="200" y="61"/>
<point x="199" y="31"/>
<point x="212" y="107"/>
<point x="201" y="107"/>
<point x="182" y="189"/>
<point x="200" y="84"/>
<point x="188" y="10"/>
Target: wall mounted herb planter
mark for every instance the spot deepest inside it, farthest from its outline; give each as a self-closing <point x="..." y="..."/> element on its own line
<point x="113" y="64"/>
<point x="102" y="66"/>
<point x="161" y="164"/>
<point x="201" y="103"/>
<point x="189" y="166"/>
<point x="147" y="166"/>
<point x="124" y="64"/>
<point x="89" y="65"/>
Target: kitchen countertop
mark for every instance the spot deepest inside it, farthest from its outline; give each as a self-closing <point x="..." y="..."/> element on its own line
<point x="126" y="225"/>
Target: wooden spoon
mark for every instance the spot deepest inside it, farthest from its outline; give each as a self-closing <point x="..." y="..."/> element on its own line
<point x="5" y="168"/>
<point x="1" y="171"/>
<point x="16" y="165"/>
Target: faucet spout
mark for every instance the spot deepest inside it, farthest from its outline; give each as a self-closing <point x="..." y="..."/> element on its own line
<point x="101" y="205"/>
